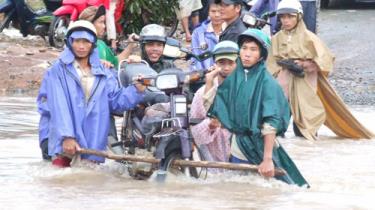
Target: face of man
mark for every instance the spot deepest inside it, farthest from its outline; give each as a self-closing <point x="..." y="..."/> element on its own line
<point x="288" y="21"/>
<point x="215" y="14"/>
<point x="249" y="53"/>
<point x="154" y="50"/>
<point x="227" y="66"/>
<point x="229" y="12"/>
<point x="100" y="26"/>
<point x="81" y="47"/>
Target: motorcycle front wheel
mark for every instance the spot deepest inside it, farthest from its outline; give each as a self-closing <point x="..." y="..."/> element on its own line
<point x="57" y="31"/>
<point x="178" y="170"/>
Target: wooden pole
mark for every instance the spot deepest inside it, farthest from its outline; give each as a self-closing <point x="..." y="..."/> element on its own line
<point x="185" y="163"/>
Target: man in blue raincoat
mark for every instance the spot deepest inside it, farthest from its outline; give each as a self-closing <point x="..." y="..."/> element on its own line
<point x="76" y="96"/>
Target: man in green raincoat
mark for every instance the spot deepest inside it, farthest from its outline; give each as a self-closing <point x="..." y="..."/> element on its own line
<point x="252" y="105"/>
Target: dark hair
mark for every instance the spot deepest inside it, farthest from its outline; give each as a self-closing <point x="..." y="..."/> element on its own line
<point x="211" y="2"/>
<point x="263" y="51"/>
<point x="249" y="39"/>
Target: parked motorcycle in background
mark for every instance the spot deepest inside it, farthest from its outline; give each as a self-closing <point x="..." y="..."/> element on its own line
<point x="31" y="17"/>
<point x="251" y="21"/>
<point x="69" y="11"/>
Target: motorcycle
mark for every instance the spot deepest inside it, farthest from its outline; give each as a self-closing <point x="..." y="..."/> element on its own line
<point x="251" y="21"/>
<point x="69" y="11"/>
<point x="30" y="17"/>
<point x="164" y="136"/>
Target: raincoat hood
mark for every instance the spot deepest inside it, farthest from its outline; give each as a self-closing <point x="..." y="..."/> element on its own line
<point x="308" y="46"/>
<point x="246" y="100"/>
<point x="68" y="57"/>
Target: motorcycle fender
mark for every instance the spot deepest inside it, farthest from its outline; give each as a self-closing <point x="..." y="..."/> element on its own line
<point x="6" y="6"/>
<point x="67" y="10"/>
<point x="166" y="145"/>
<point x="74" y="2"/>
<point x="160" y="148"/>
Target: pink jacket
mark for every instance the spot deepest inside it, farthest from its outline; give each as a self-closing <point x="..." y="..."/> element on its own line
<point x="216" y="140"/>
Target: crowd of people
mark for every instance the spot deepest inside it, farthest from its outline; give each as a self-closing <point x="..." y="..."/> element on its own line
<point x="245" y="105"/>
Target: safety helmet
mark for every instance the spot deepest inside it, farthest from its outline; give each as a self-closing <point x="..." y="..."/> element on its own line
<point x="153" y="32"/>
<point x="225" y="49"/>
<point x="289" y="7"/>
<point x="80" y="25"/>
<point x="259" y="36"/>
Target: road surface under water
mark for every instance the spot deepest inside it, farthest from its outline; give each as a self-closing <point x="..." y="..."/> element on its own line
<point x="339" y="171"/>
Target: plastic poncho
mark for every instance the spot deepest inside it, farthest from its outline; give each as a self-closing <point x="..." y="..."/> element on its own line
<point x="243" y="103"/>
<point x="313" y="101"/>
<point x="66" y="113"/>
<point x="106" y="53"/>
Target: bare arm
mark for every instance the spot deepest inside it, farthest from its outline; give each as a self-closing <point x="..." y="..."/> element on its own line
<point x="128" y="50"/>
<point x="213" y="72"/>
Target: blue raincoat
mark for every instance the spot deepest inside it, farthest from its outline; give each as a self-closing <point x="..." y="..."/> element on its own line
<point x="66" y="113"/>
<point x="202" y="36"/>
<point x="263" y="6"/>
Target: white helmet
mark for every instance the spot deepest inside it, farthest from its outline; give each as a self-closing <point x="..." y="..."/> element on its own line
<point x="289" y="7"/>
<point x="81" y="25"/>
<point x="153" y="32"/>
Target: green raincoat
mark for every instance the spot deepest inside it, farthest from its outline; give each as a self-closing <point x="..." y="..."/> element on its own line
<point x="246" y="100"/>
<point x="106" y="53"/>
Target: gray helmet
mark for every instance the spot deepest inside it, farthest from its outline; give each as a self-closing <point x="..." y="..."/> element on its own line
<point x="153" y="32"/>
<point x="225" y="49"/>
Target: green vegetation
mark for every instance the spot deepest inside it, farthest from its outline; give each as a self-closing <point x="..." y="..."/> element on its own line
<point x="138" y="13"/>
<point x="36" y="4"/>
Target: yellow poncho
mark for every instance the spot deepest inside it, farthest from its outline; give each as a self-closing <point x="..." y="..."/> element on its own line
<point x="312" y="100"/>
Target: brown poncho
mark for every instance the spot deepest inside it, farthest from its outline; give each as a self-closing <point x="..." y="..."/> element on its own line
<point x="312" y="100"/>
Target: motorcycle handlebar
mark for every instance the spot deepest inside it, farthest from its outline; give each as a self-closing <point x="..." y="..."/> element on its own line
<point x="189" y="78"/>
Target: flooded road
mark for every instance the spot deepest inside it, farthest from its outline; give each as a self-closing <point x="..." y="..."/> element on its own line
<point x="339" y="171"/>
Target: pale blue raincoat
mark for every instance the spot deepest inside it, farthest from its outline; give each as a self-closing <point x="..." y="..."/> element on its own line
<point x="66" y="113"/>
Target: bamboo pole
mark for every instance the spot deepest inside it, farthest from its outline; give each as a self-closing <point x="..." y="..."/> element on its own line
<point x="184" y="163"/>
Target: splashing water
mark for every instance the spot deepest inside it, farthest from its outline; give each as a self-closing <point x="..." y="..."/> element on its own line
<point x="339" y="171"/>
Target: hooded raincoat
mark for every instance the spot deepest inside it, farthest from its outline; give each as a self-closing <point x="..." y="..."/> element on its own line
<point x="65" y="111"/>
<point x="313" y="101"/>
<point x="246" y="100"/>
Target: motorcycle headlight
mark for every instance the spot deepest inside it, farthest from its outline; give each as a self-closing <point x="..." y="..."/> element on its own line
<point x="167" y="81"/>
<point x="249" y="19"/>
<point x="180" y="105"/>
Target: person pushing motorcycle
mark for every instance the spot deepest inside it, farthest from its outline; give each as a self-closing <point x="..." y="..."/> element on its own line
<point x="74" y="90"/>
